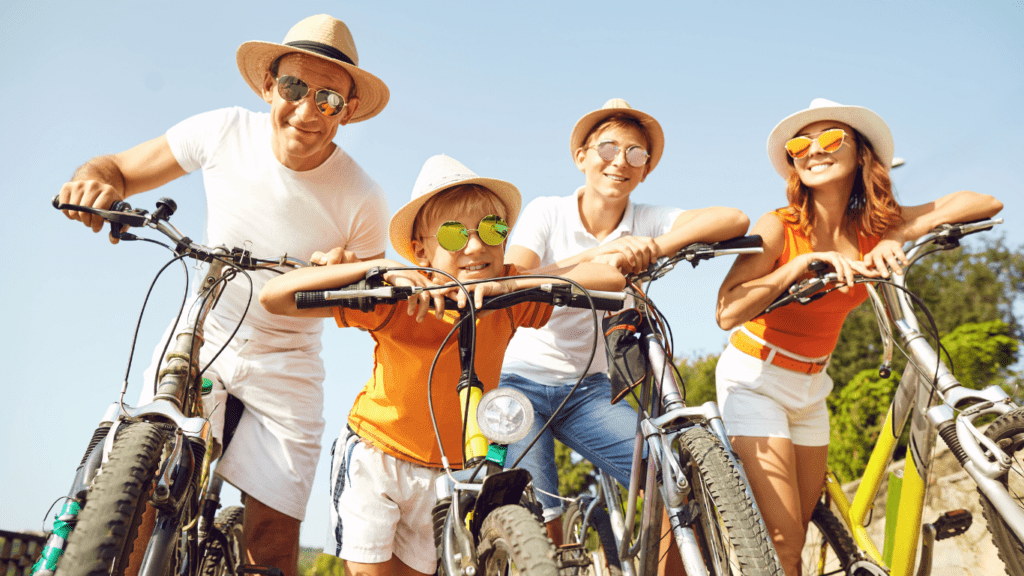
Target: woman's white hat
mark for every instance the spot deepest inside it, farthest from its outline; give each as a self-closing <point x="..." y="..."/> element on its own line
<point x="613" y="107"/>
<point x="438" y="174"/>
<point x="326" y="38"/>
<point x="864" y="121"/>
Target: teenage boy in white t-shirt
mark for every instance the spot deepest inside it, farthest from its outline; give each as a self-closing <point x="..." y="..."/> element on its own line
<point x="615" y="147"/>
<point x="278" y="184"/>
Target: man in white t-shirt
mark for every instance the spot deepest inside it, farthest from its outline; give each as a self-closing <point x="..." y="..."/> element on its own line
<point x="275" y="183"/>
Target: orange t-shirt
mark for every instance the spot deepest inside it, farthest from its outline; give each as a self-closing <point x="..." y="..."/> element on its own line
<point x="810" y="330"/>
<point x="391" y="411"/>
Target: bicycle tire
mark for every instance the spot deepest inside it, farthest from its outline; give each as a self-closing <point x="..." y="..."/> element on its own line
<point x="600" y="527"/>
<point x="214" y="561"/>
<point x="1008" y="432"/>
<point x="731" y="535"/>
<point x="513" y="542"/>
<point x="829" y="548"/>
<point x="108" y="524"/>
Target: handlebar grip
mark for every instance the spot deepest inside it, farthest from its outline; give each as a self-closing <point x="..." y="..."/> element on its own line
<point x="752" y="241"/>
<point x="313" y="299"/>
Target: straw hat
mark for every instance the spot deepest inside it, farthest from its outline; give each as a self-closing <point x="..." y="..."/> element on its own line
<point x="326" y="38"/>
<point x="438" y="174"/>
<point x="864" y="121"/>
<point x="618" y="106"/>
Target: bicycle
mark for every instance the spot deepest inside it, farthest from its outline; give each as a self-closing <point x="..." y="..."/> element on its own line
<point x="159" y="453"/>
<point x="488" y="523"/>
<point x="935" y="403"/>
<point x="690" y="469"/>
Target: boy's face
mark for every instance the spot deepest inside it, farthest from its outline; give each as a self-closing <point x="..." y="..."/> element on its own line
<point x="614" y="179"/>
<point x="476" y="261"/>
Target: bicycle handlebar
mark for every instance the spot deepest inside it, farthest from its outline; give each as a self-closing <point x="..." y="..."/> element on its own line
<point x="121" y="214"/>
<point x="947" y="236"/>
<point x="698" y="251"/>
<point x="367" y="294"/>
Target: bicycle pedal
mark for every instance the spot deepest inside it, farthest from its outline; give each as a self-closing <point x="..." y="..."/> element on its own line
<point x="952" y="523"/>
<point x="571" y="556"/>
<point x="259" y="570"/>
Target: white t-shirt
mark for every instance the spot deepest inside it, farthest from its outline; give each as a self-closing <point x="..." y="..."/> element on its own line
<point x="255" y="202"/>
<point x="551" y="227"/>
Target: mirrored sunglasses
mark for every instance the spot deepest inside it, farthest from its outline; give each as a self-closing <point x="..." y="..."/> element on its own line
<point x="453" y="236"/>
<point x="328" y="102"/>
<point x="829" y="140"/>
<point x="636" y="156"/>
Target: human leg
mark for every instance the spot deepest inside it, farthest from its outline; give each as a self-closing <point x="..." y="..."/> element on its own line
<point x="271" y="537"/>
<point x="540" y="460"/>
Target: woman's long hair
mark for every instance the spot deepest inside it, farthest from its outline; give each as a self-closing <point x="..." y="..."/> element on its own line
<point x="872" y="208"/>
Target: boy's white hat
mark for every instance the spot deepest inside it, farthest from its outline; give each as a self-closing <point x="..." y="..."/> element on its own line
<point x="438" y="174"/>
<point x="864" y="121"/>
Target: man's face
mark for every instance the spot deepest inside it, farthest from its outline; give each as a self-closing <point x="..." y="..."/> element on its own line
<point x="302" y="137"/>
<point x="615" y="179"/>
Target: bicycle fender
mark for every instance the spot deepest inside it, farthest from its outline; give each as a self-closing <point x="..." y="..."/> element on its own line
<point x="498" y="490"/>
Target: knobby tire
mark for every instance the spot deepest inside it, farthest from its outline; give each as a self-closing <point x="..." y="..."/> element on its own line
<point x="1008" y="432"/>
<point x="513" y="542"/>
<point x="108" y="525"/>
<point x="600" y="527"/>
<point x="732" y="537"/>
<point x="829" y="548"/>
<point x="215" y="561"/>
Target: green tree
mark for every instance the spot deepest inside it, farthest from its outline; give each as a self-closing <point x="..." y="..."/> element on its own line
<point x="982" y="354"/>
<point x="699" y="376"/>
<point x="858" y="411"/>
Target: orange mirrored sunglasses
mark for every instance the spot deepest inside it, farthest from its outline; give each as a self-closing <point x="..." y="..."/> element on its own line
<point x="829" y="140"/>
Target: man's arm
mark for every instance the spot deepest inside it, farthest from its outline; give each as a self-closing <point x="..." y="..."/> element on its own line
<point x="105" y="179"/>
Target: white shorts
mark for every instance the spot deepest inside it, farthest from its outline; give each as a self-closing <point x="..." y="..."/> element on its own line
<point x="759" y="399"/>
<point x="381" y="505"/>
<point x="273" y="454"/>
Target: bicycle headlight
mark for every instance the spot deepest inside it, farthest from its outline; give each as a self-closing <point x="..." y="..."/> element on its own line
<point x="504" y="415"/>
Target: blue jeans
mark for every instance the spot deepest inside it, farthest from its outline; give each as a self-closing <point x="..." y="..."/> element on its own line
<point x="589" y="424"/>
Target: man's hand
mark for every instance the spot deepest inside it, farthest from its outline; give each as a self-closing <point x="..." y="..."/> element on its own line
<point x="92" y="194"/>
<point x="630" y="254"/>
<point x="336" y="256"/>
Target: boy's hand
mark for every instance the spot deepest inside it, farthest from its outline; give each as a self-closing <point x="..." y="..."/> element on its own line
<point x="485" y="289"/>
<point x="418" y="304"/>
<point x="630" y="254"/>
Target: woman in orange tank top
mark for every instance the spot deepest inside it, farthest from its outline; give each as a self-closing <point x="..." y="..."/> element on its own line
<point x="771" y="379"/>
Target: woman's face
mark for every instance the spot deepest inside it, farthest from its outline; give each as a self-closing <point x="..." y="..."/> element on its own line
<point x="820" y="168"/>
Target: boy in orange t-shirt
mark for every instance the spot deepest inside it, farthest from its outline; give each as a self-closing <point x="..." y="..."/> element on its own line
<point x="384" y="464"/>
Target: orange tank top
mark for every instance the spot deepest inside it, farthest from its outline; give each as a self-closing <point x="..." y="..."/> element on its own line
<point x="810" y="330"/>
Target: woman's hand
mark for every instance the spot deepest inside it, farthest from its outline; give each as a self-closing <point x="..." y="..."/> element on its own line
<point x="845" y="267"/>
<point x="887" y="255"/>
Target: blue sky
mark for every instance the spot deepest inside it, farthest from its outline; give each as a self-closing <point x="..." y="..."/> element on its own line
<point x="497" y="86"/>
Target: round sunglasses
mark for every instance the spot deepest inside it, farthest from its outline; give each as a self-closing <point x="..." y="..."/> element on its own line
<point x="453" y="236"/>
<point x="829" y="140"/>
<point x="328" y="102"/>
<point x="636" y="156"/>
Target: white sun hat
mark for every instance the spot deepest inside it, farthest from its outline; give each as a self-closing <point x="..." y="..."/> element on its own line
<point x="864" y="121"/>
<point x="438" y="174"/>
<point x="326" y="38"/>
<point x="619" y="107"/>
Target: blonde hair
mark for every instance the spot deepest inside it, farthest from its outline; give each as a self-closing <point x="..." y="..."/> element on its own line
<point x="453" y="201"/>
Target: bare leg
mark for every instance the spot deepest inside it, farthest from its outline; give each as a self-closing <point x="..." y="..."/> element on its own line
<point x="554" y="529"/>
<point x="271" y="537"/>
<point x="669" y="560"/>
<point x="785" y="480"/>
<point x="392" y="567"/>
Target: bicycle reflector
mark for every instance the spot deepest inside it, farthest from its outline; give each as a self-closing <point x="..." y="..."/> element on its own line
<point x="504" y="415"/>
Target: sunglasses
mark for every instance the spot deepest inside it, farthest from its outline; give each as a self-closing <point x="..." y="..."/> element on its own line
<point x="829" y="140"/>
<point x="453" y="236"/>
<point x="328" y="102"/>
<point x="636" y="156"/>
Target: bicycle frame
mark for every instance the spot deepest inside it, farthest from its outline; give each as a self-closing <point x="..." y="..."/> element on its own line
<point x="916" y="402"/>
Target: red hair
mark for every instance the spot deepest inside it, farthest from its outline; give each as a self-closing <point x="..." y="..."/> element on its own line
<point x="872" y="208"/>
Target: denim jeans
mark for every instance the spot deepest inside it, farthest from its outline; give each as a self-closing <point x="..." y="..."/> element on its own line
<point x="589" y="424"/>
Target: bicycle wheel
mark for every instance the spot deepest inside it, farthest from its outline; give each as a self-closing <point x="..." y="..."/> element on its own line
<point x="215" y="562"/>
<point x="829" y="549"/>
<point x="731" y="535"/>
<point x="598" y="536"/>
<point x="108" y="525"/>
<point x="513" y="542"/>
<point x="1008" y="432"/>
